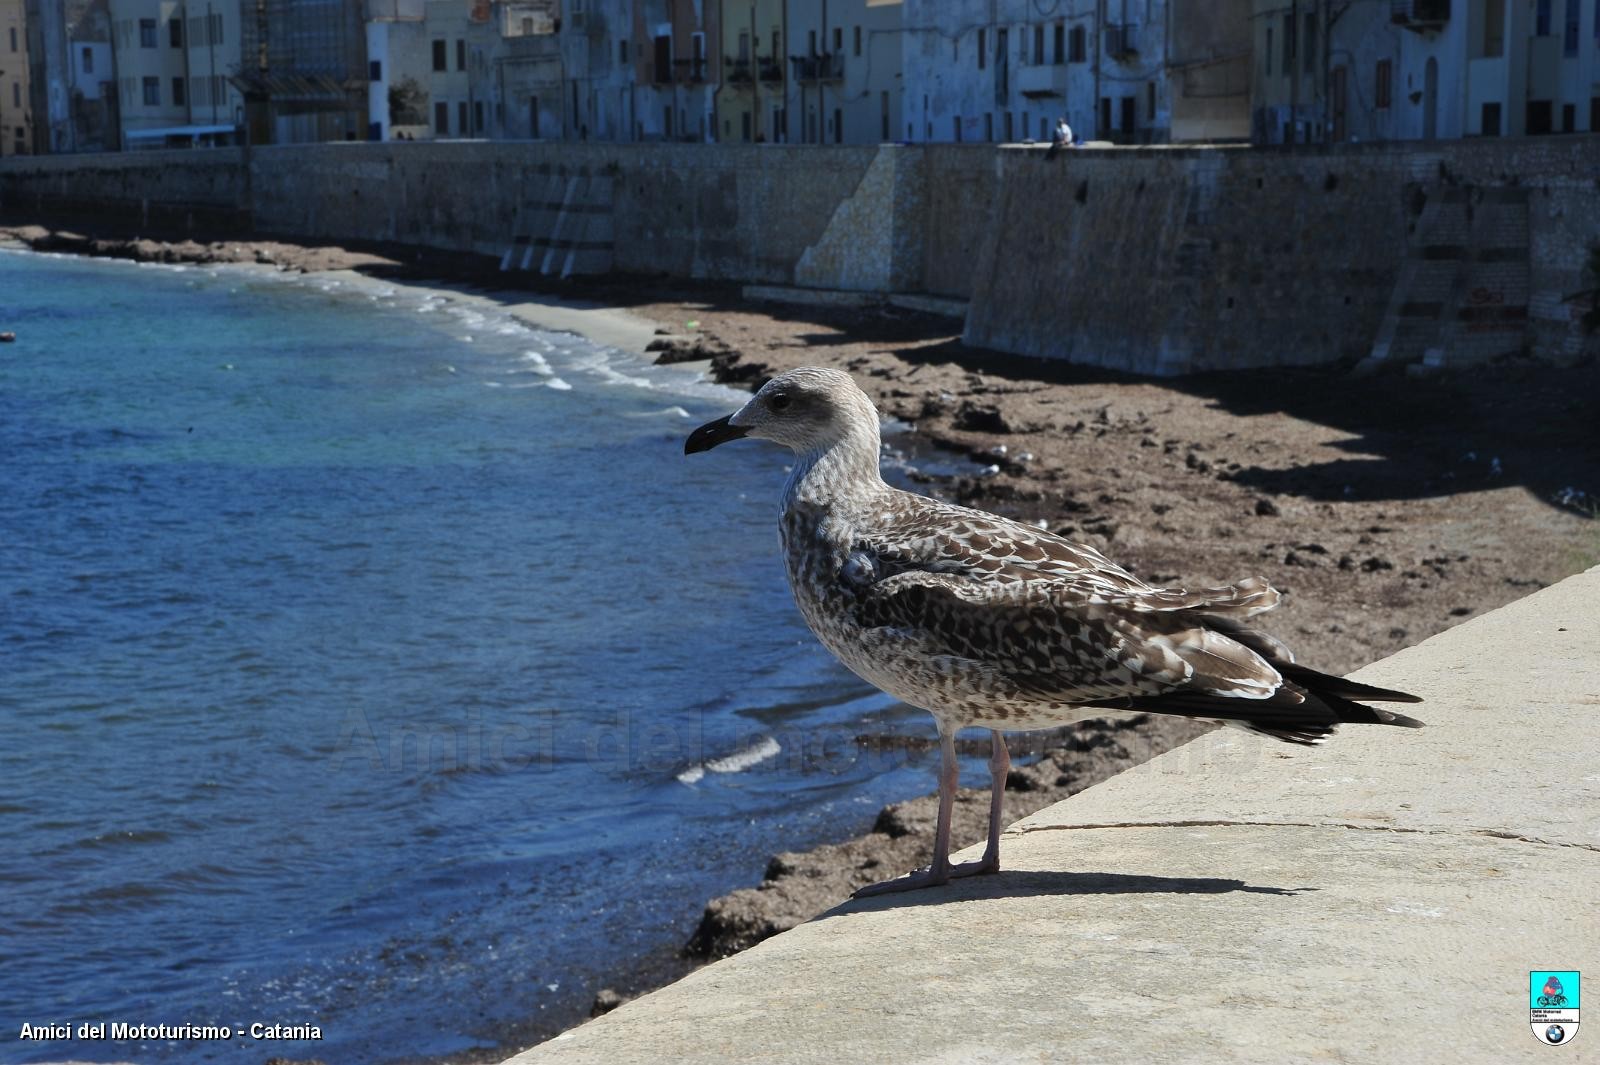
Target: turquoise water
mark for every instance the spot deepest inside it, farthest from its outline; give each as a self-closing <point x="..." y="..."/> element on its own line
<point x="375" y="662"/>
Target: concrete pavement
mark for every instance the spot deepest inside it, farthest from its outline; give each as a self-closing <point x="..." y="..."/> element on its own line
<point x="1381" y="899"/>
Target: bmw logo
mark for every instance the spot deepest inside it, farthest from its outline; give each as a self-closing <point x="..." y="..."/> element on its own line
<point x="1554" y="1034"/>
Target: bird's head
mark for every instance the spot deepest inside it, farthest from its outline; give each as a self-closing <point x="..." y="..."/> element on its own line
<point x="807" y="409"/>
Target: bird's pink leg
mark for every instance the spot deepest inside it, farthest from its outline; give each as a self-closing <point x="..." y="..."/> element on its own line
<point x="949" y="779"/>
<point x="999" y="767"/>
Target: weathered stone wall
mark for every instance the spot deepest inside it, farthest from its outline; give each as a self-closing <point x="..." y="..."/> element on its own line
<point x="1172" y="260"/>
<point x="962" y="181"/>
<point x="731" y="212"/>
<point x="1155" y="260"/>
<point x="199" y="190"/>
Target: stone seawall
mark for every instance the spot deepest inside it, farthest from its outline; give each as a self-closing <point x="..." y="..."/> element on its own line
<point x="1154" y="260"/>
<point x="1175" y="260"/>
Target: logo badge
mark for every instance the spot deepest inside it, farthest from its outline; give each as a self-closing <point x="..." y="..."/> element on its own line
<point x="1553" y="1005"/>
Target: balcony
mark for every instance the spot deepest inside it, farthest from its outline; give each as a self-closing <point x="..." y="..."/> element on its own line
<point x="818" y="68"/>
<point x="1042" y="80"/>
<point x="736" y="73"/>
<point x="1419" y="15"/>
<point x="689" y="71"/>
<point x="770" y="69"/>
<point x="1122" y="41"/>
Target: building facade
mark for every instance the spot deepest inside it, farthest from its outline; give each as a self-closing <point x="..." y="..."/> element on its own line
<point x="172" y="63"/>
<point x="1007" y="70"/>
<point x="676" y="66"/>
<point x="1209" y="70"/>
<point x="1424" y="69"/>
<point x="16" y="101"/>
<point x="846" y="63"/>
<point x="752" y="99"/>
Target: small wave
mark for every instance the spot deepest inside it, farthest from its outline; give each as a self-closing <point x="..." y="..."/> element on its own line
<point x="558" y="384"/>
<point x="539" y="363"/>
<point x="764" y="748"/>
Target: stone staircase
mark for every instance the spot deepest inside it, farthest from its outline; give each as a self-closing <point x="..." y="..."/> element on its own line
<point x="1462" y="295"/>
<point x="563" y="226"/>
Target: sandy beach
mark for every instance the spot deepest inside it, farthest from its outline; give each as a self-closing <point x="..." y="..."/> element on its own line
<point x="1386" y="509"/>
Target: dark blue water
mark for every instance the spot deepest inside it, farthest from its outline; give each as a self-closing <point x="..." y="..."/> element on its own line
<point x="361" y="658"/>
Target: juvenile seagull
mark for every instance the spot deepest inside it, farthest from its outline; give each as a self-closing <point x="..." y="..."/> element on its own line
<point x="987" y="622"/>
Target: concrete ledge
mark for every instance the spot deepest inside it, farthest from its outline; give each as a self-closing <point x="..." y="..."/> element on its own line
<point x="1381" y="899"/>
<point x="945" y="306"/>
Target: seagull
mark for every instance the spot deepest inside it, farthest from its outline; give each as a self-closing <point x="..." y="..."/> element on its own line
<point x="990" y="623"/>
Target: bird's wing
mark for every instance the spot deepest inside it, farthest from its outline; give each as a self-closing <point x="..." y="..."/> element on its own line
<point x="932" y="537"/>
<point x="1061" y="640"/>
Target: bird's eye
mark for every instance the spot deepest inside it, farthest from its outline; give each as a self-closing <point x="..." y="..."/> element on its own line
<point x="779" y="401"/>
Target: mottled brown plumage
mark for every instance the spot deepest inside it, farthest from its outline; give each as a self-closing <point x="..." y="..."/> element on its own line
<point x="985" y="621"/>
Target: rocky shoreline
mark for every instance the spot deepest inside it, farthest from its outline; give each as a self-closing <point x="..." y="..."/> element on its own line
<point x="1386" y="510"/>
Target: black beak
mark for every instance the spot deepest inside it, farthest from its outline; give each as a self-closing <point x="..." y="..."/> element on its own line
<point x="711" y="434"/>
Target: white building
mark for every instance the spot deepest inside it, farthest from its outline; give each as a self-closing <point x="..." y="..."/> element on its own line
<point x="1006" y="70"/>
<point x="1419" y="69"/>
<point x="601" y="56"/>
<point x="173" y="62"/>
<point x="845" y="81"/>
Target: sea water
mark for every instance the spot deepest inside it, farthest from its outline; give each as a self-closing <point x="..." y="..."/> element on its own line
<point x="372" y="661"/>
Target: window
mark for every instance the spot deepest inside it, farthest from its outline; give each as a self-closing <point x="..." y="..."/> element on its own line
<point x="1007" y="138"/>
<point x="439" y="56"/>
<point x="663" y="64"/>
<point x="1061" y="46"/>
<point x="477" y="116"/>
<point x="175" y="33"/>
<point x="983" y="40"/>
<point x="1077" y="48"/>
<point x="461" y="54"/>
<point x="216" y="27"/>
<point x="622" y="50"/>
<point x="13" y="38"/>
<point x="988" y="126"/>
<point x="1594" y="114"/>
<point x="1383" y="89"/>
<point x="1310" y="49"/>
<point x="1150" y="101"/>
<point x="1038" y="45"/>
<point x="462" y="129"/>
<point x="858" y="40"/>
<point x="1288" y="44"/>
<point x="16" y="94"/>
<point x="441" y="120"/>
<point x="838" y="126"/>
<point x="147" y="35"/>
<point x="1569" y="118"/>
<point x="1494" y="29"/>
<point x="177" y="92"/>
<point x="1569" y="34"/>
<point x="152" y="91"/>
<point x="375" y="70"/>
<point x="1541" y="18"/>
<point x="838" y="39"/>
<point x="88" y="59"/>
<point x="955" y="123"/>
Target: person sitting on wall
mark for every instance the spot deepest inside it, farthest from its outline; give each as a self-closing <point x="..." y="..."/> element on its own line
<point x="1062" y="139"/>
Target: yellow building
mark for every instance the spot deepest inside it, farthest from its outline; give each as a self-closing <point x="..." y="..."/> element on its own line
<point x="750" y="100"/>
<point x="16" y="128"/>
